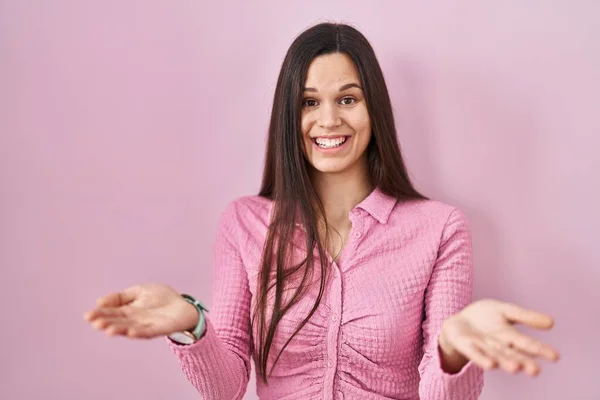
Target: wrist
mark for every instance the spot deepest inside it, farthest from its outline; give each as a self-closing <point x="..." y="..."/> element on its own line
<point x="193" y="320"/>
<point x="445" y="347"/>
<point x="451" y="360"/>
<point x="191" y="316"/>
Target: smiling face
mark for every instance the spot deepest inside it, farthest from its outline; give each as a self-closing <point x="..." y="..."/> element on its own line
<point x="336" y="127"/>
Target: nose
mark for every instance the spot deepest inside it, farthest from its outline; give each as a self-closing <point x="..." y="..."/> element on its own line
<point x="328" y="117"/>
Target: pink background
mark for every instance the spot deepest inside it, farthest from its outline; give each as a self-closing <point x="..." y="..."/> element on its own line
<point x="126" y="127"/>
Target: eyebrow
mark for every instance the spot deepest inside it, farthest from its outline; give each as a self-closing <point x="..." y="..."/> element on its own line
<point x="345" y="87"/>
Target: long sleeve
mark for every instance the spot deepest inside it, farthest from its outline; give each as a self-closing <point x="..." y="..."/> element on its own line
<point x="218" y="365"/>
<point x="449" y="291"/>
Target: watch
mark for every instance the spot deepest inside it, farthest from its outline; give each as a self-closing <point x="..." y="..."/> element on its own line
<point x="190" y="337"/>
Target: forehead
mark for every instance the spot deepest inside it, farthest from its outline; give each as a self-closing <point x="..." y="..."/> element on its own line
<point x="331" y="71"/>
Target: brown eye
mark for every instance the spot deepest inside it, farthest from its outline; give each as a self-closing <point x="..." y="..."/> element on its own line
<point x="309" y="103"/>
<point x="348" y="101"/>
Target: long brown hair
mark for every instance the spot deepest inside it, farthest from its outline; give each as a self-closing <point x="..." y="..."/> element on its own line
<point x="286" y="174"/>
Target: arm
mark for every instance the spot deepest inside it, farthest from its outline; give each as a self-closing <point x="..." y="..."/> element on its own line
<point x="449" y="291"/>
<point x="218" y="365"/>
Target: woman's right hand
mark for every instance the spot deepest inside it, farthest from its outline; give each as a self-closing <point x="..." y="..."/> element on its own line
<point x="143" y="311"/>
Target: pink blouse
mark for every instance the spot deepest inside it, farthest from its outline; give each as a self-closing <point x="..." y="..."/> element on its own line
<point x="405" y="268"/>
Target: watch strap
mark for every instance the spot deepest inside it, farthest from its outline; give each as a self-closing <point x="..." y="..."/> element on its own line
<point x="201" y="325"/>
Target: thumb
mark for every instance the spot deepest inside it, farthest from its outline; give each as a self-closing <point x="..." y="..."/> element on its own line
<point x="117" y="299"/>
<point x="534" y="319"/>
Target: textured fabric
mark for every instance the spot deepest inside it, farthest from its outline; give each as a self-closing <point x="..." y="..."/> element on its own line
<point x="406" y="267"/>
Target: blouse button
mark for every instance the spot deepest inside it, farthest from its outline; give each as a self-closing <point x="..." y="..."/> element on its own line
<point x="334" y="317"/>
<point x="330" y="364"/>
<point x="357" y="234"/>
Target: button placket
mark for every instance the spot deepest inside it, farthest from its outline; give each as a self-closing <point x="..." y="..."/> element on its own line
<point x="355" y="234"/>
<point x="333" y="332"/>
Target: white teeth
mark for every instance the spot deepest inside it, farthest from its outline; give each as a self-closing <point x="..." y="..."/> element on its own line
<point x="329" y="143"/>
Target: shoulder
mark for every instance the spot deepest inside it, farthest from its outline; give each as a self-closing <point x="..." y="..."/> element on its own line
<point x="246" y="212"/>
<point x="257" y="205"/>
<point x="429" y="215"/>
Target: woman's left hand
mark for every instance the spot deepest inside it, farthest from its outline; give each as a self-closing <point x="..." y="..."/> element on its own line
<point x="484" y="333"/>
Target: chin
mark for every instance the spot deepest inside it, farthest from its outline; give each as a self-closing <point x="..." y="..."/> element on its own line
<point x="330" y="167"/>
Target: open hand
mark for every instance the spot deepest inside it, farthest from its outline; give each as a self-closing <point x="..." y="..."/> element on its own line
<point x="484" y="333"/>
<point x="143" y="311"/>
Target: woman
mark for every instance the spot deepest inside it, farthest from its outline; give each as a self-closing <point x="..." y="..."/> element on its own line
<point x="340" y="279"/>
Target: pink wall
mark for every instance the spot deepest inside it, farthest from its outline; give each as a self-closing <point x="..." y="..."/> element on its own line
<point x="127" y="126"/>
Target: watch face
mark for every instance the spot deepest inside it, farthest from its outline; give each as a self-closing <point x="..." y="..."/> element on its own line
<point x="182" y="338"/>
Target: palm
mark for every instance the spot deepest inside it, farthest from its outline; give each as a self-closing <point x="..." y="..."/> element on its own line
<point x="484" y="332"/>
<point x="144" y="311"/>
<point x="483" y="320"/>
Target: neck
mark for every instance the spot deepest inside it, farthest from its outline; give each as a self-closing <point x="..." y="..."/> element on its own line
<point x="341" y="192"/>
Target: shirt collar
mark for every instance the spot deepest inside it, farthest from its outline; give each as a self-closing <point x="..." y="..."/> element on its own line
<point x="379" y="205"/>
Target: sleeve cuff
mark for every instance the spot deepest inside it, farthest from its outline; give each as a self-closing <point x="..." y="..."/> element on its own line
<point x="200" y="345"/>
<point x="468" y="379"/>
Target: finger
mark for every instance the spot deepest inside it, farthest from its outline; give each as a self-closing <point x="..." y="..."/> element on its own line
<point x="100" y="323"/>
<point x="495" y="351"/>
<point x="141" y="331"/>
<point x="471" y="349"/>
<point x="129" y="329"/>
<point x="528" y="345"/>
<point x="116" y="299"/>
<point x="105" y="313"/>
<point x="103" y="323"/>
<point x="529" y="364"/>
<point x="534" y="319"/>
<point x="117" y="329"/>
<point x="513" y="356"/>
